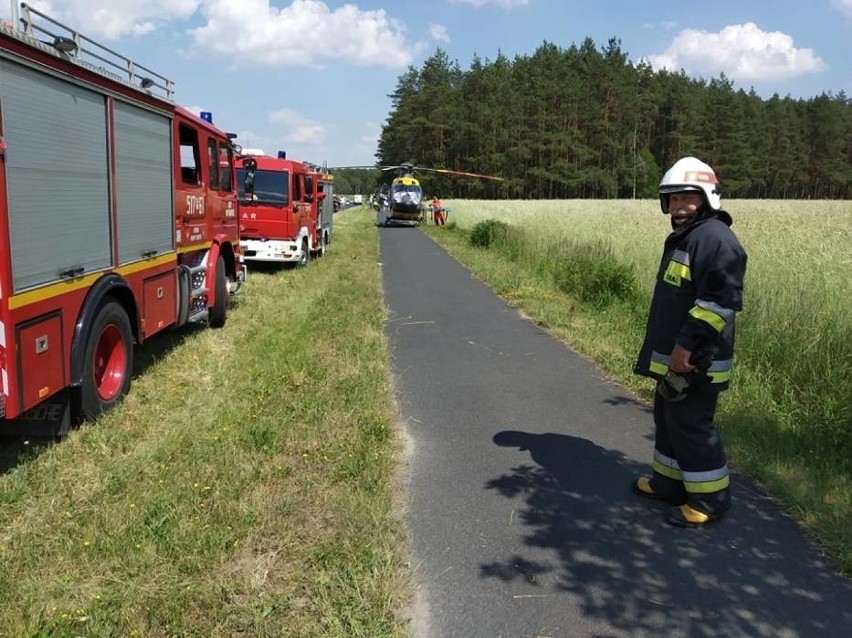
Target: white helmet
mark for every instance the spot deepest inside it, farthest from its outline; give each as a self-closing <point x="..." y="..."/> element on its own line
<point x="690" y="174"/>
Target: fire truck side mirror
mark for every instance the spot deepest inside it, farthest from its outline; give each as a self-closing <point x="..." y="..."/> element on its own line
<point x="250" y="164"/>
<point x="248" y="184"/>
<point x="321" y="196"/>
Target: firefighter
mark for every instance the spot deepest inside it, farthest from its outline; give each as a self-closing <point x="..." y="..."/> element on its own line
<point x="689" y="346"/>
<point x="437" y="210"/>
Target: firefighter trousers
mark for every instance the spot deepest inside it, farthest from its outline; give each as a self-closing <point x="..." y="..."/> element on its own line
<point x="689" y="458"/>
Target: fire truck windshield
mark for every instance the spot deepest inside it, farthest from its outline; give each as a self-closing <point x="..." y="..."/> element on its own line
<point x="270" y="187"/>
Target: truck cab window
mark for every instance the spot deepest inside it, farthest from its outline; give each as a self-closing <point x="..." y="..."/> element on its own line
<point x="226" y="162"/>
<point x="297" y="188"/>
<point x="189" y="155"/>
<point x="213" y="163"/>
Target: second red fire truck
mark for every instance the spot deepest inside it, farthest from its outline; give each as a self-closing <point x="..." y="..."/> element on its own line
<point x="286" y="208"/>
<point x="119" y="221"/>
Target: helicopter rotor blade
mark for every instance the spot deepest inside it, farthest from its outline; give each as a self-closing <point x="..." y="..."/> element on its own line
<point x="374" y="167"/>
<point x="454" y="172"/>
<point x="410" y="169"/>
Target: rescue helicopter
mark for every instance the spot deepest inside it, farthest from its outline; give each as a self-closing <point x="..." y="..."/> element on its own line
<point x="402" y="200"/>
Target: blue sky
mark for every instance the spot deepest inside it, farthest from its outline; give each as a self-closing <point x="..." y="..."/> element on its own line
<point x="312" y="77"/>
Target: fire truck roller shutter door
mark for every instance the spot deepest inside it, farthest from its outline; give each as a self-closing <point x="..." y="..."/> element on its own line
<point x="57" y="185"/>
<point x="143" y="183"/>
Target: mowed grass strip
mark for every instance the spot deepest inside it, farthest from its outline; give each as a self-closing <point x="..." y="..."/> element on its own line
<point x="585" y="269"/>
<point x="244" y="487"/>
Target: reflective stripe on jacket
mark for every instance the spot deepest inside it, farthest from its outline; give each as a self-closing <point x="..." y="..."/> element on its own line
<point x="697" y="295"/>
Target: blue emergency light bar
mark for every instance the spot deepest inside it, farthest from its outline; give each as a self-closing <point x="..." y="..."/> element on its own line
<point x="282" y="154"/>
<point x="207" y="116"/>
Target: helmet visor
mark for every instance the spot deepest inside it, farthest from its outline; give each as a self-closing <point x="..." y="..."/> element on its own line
<point x="679" y="188"/>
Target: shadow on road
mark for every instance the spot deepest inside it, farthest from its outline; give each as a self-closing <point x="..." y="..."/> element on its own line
<point x="752" y="574"/>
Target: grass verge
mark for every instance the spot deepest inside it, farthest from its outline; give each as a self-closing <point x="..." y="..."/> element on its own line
<point x="244" y="487"/>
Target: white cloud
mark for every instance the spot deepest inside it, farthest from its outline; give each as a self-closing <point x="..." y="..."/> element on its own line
<point x="195" y="109"/>
<point x="505" y="4"/>
<point x="666" y="25"/>
<point x="305" y="33"/>
<point x="111" y="19"/>
<point x="304" y="139"/>
<point x="439" y="32"/>
<point x="249" y="139"/>
<point x="298" y="130"/>
<point x="845" y="6"/>
<point x="741" y="51"/>
<point x="368" y="140"/>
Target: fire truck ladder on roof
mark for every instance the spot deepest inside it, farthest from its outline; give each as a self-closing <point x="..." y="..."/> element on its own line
<point x="76" y="47"/>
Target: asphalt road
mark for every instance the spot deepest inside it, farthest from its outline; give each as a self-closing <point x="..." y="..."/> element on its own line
<point x="520" y="512"/>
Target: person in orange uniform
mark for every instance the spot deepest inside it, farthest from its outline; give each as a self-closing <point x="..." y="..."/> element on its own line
<point x="437" y="210"/>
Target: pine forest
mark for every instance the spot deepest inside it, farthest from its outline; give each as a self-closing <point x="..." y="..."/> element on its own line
<point x="586" y="122"/>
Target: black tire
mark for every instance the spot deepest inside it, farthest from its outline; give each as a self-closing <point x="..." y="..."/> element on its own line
<point x="219" y="311"/>
<point x="108" y="362"/>
<point x="306" y="254"/>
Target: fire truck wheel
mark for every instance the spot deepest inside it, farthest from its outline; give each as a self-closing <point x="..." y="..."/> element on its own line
<point x="306" y="254"/>
<point x="219" y="311"/>
<point x="108" y="361"/>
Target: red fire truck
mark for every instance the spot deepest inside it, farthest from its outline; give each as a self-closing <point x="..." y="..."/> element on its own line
<point x="119" y="221"/>
<point x="285" y="208"/>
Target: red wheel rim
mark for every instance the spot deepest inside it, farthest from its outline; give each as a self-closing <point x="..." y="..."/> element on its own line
<point x="110" y="365"/>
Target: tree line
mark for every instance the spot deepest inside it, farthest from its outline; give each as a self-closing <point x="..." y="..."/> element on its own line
<point x="585" y="122"/>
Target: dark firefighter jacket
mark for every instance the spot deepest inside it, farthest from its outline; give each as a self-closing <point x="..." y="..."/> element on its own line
<point x="697" y="294"/>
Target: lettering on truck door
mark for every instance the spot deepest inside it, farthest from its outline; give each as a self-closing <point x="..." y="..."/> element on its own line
<point x="190" y="200"/>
